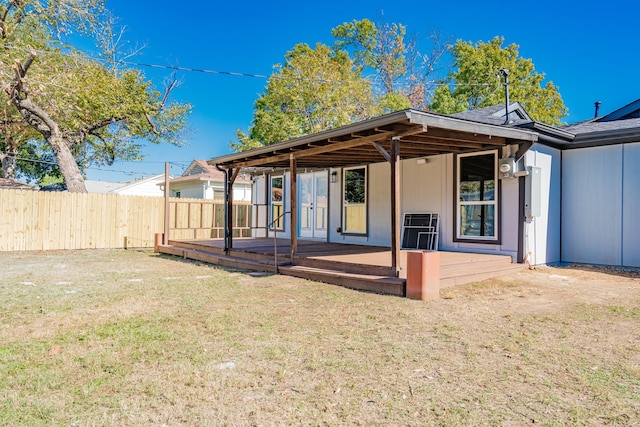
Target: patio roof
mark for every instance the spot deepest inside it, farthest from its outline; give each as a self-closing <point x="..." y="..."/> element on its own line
<point x="421" y="134"/>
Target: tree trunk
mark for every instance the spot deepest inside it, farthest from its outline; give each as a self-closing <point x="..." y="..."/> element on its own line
<point x="9" y="165"/>
<point x="67" y="164"/>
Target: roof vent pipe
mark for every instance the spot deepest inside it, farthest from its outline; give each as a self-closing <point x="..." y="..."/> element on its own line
<point x="597" y="104"/>
<point x="505" y="73"/>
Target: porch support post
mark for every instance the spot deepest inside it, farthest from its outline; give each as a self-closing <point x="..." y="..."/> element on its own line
<point x="228" y="205"/>
<point x="229" y="208"/>
<point x="294" y="207"/>
<point x="395" y="205"/>
<point x="167" y="216"/>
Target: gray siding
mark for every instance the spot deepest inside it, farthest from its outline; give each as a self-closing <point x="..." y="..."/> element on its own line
<point x="592" y="184"/>
<point x="631" y="206"/>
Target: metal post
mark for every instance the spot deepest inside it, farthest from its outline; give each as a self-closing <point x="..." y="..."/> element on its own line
<point x="505" y="73"/>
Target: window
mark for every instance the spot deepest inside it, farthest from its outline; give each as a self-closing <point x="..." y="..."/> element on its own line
<point x="477" y="196"/>
<point x="277" y="207"/>
<point x="354" y="200"/>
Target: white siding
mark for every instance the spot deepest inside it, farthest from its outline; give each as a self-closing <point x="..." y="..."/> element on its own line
<point x="542" y="234"/>
<point x="379" y="208"/>
<point x="202" y="190"/>
<point x="592" y="186"/>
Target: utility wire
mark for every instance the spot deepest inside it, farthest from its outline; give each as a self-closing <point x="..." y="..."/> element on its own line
<point x="174" y="163"/>
<point x="212" y="71"/>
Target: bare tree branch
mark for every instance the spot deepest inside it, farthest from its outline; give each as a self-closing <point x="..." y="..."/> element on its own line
<point x="153" y="126"/>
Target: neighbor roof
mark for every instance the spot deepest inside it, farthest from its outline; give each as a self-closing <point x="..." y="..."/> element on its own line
<point x="13" y="184"/>
<point x="200" y="170"/>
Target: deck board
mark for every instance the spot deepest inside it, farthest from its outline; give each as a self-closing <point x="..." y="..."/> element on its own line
<point x="338" y="258"/>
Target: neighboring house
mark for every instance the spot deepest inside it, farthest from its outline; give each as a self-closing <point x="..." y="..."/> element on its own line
<point x="150" y="186"/>
<point x="13" y="184"/>
<point x="203" y="181"/>
<point x="517" y="187"/>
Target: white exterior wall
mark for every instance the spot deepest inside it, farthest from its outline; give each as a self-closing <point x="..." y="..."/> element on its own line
<point x="202" y="190"/>
<point x="542" y="233"/>
<point x="425" y="187"/>
<point x="188" y="191"/>
<point x="600" y="205"/>
<point x="430" y="187"/>
<point x="378" y="209"/>
<point x="149" y="188"/>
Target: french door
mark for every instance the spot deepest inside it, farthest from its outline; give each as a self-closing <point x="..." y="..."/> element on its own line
<point x="313" y="203"/>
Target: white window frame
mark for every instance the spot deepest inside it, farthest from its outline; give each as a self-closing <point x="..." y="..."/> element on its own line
<point x="278" y="225"/>
<point x="495" y="202"/>
<point x="345" y="204"/>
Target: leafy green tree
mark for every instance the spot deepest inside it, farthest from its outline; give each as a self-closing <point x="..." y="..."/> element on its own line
<point x="87" y="111"/>
<point x="315" y="89"/>
<point x="476" y="82"/>
<point x="402" y="74"/>
<point x="30" y="160"/>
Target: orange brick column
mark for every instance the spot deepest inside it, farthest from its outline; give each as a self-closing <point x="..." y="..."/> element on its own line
<point x="423" y="275"/>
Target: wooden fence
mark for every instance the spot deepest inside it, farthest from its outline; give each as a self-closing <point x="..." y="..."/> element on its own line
<point x="37" y="220"/>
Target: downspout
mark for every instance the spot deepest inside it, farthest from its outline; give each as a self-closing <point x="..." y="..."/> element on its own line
<point x="227" y="232"/>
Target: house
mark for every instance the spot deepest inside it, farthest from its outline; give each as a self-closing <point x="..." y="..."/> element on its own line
<point x="517" y="187"/>
<point x="376" y="182"/>
<point x="203" y="181"/>
<point x="149" y="186"/>
<point x="479" y="187"/>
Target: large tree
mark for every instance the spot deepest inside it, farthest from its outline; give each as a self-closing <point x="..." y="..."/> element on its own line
<point x="313" y="90"/>
<point x="403" y="76"/>
<point x="86" y="110"/>
<point x="475" y="82"/>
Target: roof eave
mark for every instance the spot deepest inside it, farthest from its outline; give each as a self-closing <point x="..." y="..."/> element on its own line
<point x="416" y="117"/>
<point x="608" y="137"/>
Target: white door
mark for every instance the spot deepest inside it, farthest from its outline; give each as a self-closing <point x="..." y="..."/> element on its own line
<point x="313" y="198"/>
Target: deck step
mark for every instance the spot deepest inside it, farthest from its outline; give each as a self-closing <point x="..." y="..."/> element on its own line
<point x="217" y="259"/>
<point x="364" y="282"/>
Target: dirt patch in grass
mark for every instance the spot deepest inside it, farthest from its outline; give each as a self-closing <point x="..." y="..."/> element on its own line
<point x="154" y="340"/>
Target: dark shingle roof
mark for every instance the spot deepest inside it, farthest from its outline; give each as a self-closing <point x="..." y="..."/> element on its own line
<point x="495" y="115"/>
<point x="599" y="126"/>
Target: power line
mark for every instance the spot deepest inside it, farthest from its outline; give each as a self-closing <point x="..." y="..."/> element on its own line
<point x="178" y="164"/>
<point x="218" y="72"/>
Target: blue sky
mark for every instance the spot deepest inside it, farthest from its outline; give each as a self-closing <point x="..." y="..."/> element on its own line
<point x="589" y="50"/>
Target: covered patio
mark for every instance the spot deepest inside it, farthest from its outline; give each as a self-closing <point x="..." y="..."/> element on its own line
<point x="408" y="134"/>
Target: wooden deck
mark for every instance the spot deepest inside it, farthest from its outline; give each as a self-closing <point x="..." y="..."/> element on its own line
<point x="354" y="266"/>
